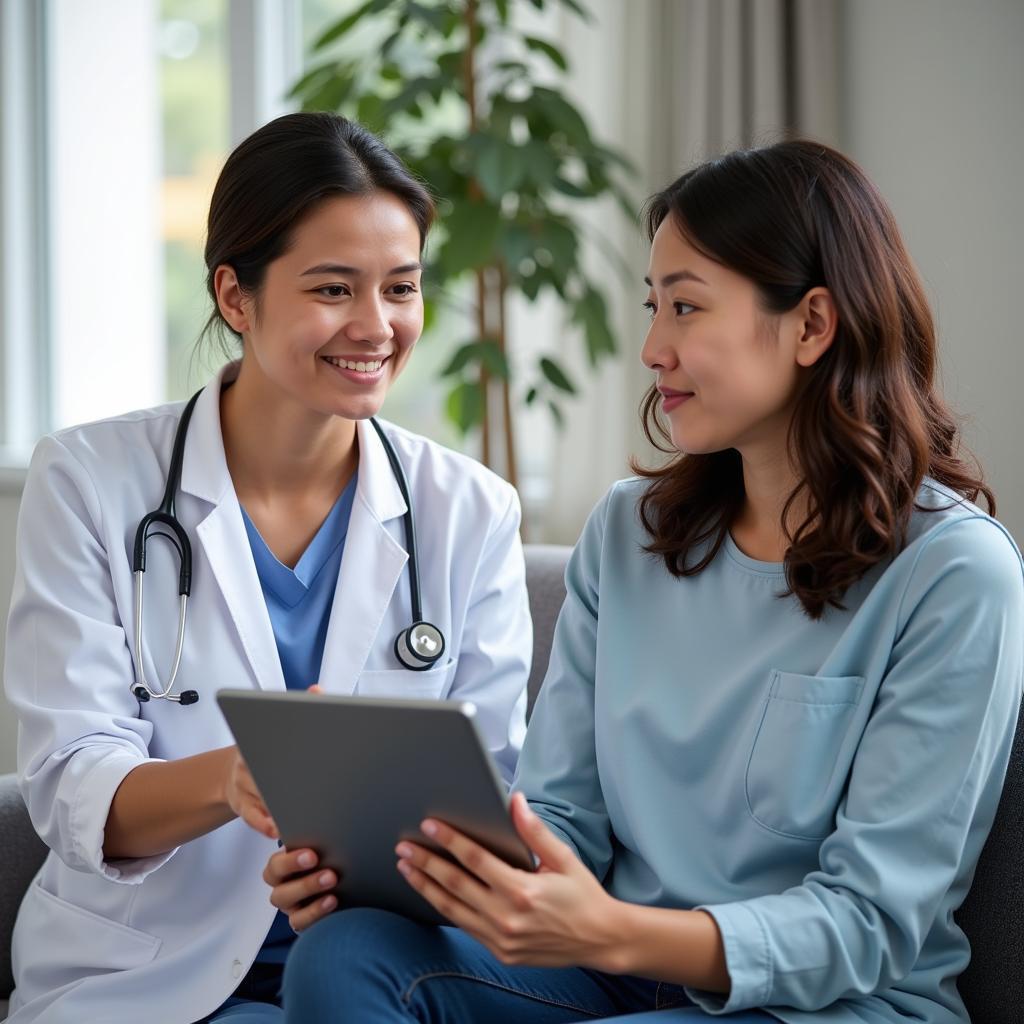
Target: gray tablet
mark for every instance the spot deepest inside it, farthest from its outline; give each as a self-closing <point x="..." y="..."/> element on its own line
<point x="351" y="776"/>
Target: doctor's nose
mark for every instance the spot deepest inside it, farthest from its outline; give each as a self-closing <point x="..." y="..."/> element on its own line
<point x="369" y="324"/>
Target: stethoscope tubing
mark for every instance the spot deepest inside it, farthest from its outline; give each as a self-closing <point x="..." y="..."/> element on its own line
<point x="162" y="522"/>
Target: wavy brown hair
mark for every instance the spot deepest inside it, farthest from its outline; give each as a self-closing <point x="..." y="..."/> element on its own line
<point x="868" y="424"/>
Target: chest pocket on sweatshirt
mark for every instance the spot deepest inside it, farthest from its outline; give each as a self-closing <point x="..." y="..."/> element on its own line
<point x="798" y="764"/>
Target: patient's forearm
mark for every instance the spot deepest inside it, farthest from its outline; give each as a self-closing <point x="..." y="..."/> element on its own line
<point x="679" y="946"/>
<point x="161" y="805"/>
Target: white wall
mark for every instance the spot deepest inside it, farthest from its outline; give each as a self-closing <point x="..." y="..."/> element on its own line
<point x="931" y="107"/>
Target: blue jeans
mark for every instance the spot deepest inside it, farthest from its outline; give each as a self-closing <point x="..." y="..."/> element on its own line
<point x="361" y="966"/>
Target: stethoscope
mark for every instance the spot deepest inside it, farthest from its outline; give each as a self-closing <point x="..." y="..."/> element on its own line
<point x="417" y="648"/>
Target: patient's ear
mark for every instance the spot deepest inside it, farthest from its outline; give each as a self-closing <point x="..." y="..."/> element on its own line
<point x="817" y="323"/>
<point x="231" y="300"/>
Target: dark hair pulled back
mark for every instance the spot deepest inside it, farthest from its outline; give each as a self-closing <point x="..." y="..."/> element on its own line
<point x="278" y="175"/>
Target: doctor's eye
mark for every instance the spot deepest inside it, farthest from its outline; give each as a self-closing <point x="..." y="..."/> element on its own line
<point x="683" y="308"/>
<point x="404" y="290"/>
<point x="651" y="308"/>
<point x="333" y="291"/>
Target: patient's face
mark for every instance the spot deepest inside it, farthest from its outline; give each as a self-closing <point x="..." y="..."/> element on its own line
<point x="709" y="340"/>
<point x="339" y="313"/>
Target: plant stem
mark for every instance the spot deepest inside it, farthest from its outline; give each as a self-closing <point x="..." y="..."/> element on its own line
<point x="475" y="192"/>
<point x="511" y="470"/>
<point x="485" y="381"/>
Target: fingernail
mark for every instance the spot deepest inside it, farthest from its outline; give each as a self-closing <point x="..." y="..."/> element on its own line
<point x="306" y="859"/>
<point x="324" y="879"/>
<point x="429" y="828"/>
<point x="328" y="903"/>
<point x="405" y="867"/>
<point x="403" y="850"/>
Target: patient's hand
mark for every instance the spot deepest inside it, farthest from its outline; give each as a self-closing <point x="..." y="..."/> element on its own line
<point x="297" y="888"/>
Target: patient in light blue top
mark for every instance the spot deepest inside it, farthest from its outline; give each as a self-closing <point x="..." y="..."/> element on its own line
<point x="785" y="681"/>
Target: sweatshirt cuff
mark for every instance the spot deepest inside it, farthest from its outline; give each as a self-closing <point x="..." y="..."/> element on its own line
<point x="747" y="958"/>
<point x="88" y="821"/>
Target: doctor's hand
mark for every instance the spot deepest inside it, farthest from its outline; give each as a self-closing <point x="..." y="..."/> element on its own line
<point x="297" y="889"/>
<point x="242" y="796"/>
<point x="558" y="916"/>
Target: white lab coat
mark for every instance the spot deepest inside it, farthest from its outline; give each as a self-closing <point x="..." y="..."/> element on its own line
<point x="167" y="938"/>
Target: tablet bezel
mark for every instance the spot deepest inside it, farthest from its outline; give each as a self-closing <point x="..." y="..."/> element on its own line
<point x="387" y="743"/>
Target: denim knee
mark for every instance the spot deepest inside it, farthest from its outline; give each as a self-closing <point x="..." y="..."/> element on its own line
<point x="344" y="960"/>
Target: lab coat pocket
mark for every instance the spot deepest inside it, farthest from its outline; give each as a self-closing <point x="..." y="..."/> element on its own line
<point x="77" y="942"/>
<point x="402" y="682"/>
<point x="798" y="763"/>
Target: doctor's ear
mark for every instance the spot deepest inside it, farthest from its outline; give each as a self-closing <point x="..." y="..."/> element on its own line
<point x="235" y="306"/>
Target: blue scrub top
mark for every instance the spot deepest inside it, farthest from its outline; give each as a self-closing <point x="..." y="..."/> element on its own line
<point x="299" y="602"/>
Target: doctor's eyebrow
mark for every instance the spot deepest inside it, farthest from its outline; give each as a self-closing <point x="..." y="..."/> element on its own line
<point x="680" y="275"/>
<point x="340" y="268"/>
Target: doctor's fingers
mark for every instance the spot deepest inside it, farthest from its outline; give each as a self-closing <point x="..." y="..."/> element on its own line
<point x="293" y="894"/>
<point x="304" y="899"/>
<point x="286" y="865"/>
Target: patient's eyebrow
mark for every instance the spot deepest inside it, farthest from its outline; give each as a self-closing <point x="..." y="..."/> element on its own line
<point x="344" y="271"/>
<point x="680" y="275"/>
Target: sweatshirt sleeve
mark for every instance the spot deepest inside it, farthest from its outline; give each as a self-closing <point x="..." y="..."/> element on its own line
<point x="922" y="792"/>
<point x="68" y="669"/>
<point x="558" y="767"/>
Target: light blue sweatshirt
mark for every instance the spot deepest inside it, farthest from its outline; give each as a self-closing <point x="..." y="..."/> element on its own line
<point x="823" y="789"/>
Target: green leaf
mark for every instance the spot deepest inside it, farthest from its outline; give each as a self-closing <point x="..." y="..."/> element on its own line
<point x="500" y="167"/>
<point x="346" y="24"/>
<point x="556" y="375"/>
<point x="567" y="188"/>
<point x="465" y="405"/>
<point x="516" y="244"/>
<point x="562" y="114"/>
<point x="472" y="235"/>
<point x="331" y="95"/>
<point x="485" y="352"/>
<point x="551" y="52"/>
<point x="531" y="396"/>
<point x="592" y="314"/>
<point x="579" y="10"/>
<point x="556" y="414"/>
<point x="559" y="238"/>
<point x="311" y="80"/>
<point x="501" y="6"/>
<point x="541" y="164"/>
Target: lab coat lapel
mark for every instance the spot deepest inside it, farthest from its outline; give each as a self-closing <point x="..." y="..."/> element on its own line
<point x="372" y="565"/>
<point x="224" y="542"/>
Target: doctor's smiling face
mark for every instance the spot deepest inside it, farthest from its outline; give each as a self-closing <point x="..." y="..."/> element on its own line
<point x="337" y="314"/>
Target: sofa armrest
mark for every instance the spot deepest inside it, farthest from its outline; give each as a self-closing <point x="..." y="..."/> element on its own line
<point x="21" y="854"/>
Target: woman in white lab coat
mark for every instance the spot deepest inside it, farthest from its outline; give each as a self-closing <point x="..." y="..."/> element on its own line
<point x="151" y="904"/>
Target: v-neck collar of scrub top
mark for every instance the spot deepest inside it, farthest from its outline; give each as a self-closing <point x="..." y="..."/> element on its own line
<point x="373" y="554"/>
<point x="289" y="585"/>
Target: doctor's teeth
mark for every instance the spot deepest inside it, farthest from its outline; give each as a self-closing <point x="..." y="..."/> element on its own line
<point x="360" y="366"/>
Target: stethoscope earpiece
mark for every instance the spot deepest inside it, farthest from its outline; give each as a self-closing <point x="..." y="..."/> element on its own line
<point x="420" y="646"/>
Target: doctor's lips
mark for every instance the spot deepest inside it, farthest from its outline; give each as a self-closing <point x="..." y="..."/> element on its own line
<point x="670" y="398"/>
<point x="362" y="371"/>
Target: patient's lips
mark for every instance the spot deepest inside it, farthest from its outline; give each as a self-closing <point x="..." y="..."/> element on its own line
<point x="672" y="399"/>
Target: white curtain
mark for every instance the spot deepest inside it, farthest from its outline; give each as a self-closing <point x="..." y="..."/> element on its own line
<point x="672" y="82"/>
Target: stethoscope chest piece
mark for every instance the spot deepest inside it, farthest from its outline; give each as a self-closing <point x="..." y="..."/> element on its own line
<point x="420" y="646"/>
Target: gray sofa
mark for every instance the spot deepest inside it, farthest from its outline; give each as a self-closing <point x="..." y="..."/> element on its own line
<point x="992" y="916"/>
